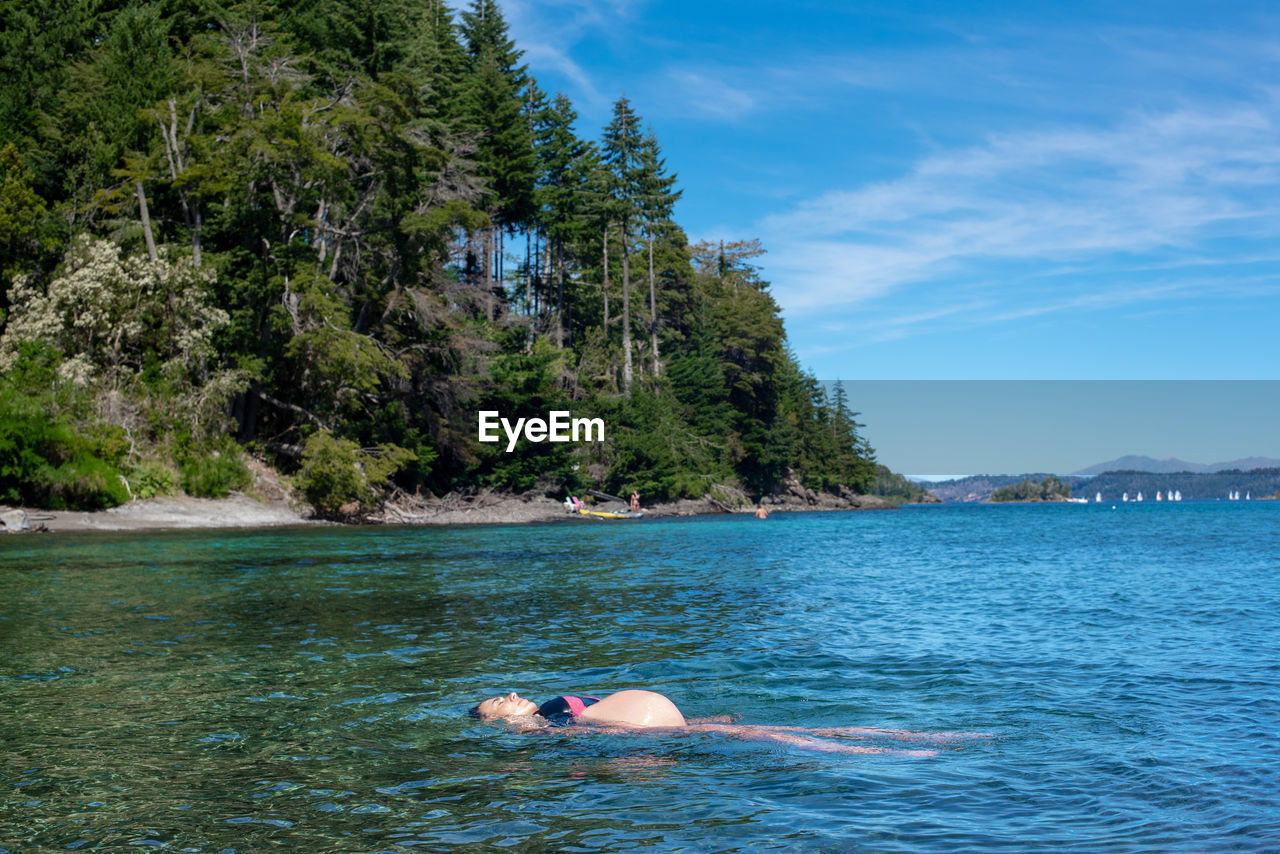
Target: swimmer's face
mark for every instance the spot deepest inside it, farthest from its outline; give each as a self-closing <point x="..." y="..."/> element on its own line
<point x="507" y="706"/>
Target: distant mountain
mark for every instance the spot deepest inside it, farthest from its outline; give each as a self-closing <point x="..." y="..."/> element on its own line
<point x="1173" y="464"/>
<point x="1257" y="482"/>
<point x="1247" y="464"/>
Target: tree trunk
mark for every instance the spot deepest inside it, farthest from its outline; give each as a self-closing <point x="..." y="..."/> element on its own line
<point x="545" y="272"/>
<point x="488" y="273"/>
<point x="626" y="312"/>
<point x="197" y="221"/>
<point x="322" y="249"/>
<point x="653" y="311"/>
<point x="560" y="318"/>
<point x="179" y="161"/>
<point x="604" y="283"/>
<point x="333" y="268"/>
<point x="146" y="221"/>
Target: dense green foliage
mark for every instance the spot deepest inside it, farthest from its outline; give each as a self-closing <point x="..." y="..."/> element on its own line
<point x="46" y="461"/>
<point x="1049" y="489"/>
<point x="896" y="487"/>
<point x="333" y="232"/>
<point x="214" y="474"/>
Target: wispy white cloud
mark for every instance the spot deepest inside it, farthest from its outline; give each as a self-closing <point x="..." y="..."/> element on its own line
<point x="1156" y="189"/>
<point x="900" y="326"/>
<point x="543" y="55"/>
<point x="710" y="96"/>
<point x="549" y="30"/>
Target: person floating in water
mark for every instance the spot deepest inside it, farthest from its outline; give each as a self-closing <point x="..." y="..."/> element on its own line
<point x="761" y="513"/>
<point x="633" y="708"/>
<point x="636" y="709"/>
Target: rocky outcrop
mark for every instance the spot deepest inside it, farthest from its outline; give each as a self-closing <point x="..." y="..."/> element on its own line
<point x="793" y="495"/>
<point x="14" y="521"/>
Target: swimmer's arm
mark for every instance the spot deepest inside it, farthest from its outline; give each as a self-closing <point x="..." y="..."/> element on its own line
<point x="880" y="732"/>
<point x="789" y="735"/>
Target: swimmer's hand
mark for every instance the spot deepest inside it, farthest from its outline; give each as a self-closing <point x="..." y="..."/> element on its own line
<point x="526" y="723"/>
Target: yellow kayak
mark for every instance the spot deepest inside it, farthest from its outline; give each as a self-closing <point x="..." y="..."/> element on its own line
<point x="608" y="514"/>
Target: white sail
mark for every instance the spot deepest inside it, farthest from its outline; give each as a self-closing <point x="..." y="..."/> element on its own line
<point x="1159" y="495"/>
<point x="1125" y="497"/>
<point x="1139" y="494"/>
<point x="1178" y="495"/>
<point x="1098" y="498"/>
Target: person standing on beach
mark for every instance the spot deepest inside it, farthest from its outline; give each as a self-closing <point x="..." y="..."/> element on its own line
<point x="635" y="501"/>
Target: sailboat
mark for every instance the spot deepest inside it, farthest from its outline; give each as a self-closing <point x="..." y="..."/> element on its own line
<point x="1159" y="495"/>
<point x="1139" y="495"/>
<point x="1178" y="494"/>
<point x="1098" y="498"/>
<point x="1124" y="497"/>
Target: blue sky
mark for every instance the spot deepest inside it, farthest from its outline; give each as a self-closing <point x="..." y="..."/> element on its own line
<point x="965" y="191"/>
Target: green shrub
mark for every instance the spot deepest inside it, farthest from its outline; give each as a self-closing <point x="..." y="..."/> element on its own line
<point x="215" y="474"/>
<point x="337" y="472"/>
<point x="84" y="483"/>
<point x="151" y="479"/>
<point x="25" y="432"/>
<point x="46" y="462"/>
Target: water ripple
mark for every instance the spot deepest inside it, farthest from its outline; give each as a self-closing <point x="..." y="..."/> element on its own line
<point x="308" y="689"/>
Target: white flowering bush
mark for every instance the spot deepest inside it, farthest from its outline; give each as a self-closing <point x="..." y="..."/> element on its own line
<point x="111" y="318"/>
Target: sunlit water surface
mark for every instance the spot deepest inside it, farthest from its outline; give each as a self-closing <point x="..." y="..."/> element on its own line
<point x="308" y="689"/>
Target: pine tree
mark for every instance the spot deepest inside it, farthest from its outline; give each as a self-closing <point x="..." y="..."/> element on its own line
<point x="495" y="107"/>
<point x="600" y="213"/>
<point x="657" y="200"/>
<point x="622" y="146"/>
<point x="535" y="104"/>
<point x="564" y="166"/>
<point x="436" y="61"/>
<point x="855" y="465"/>
<point x="127" y="73"/>
<point x="21" y="214"/>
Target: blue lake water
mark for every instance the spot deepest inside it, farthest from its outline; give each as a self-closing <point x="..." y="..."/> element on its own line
<point x="308" y="689"/>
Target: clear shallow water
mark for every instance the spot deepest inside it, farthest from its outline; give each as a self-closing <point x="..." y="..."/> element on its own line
<point x="307" y="689"/>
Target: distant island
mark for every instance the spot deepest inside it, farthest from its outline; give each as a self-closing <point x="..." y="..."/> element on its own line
<point x="1049" y="489"/>
<point x="979" y="487"/>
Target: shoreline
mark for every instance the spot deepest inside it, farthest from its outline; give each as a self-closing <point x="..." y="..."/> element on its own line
<point x="240" y="511"/>
<point x="170" y="513"/>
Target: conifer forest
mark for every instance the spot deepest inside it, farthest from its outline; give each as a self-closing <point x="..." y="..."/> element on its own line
<point x="326" y="233"/>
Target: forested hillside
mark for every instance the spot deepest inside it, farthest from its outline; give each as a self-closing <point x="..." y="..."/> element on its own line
<point x="330" y="232"/>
